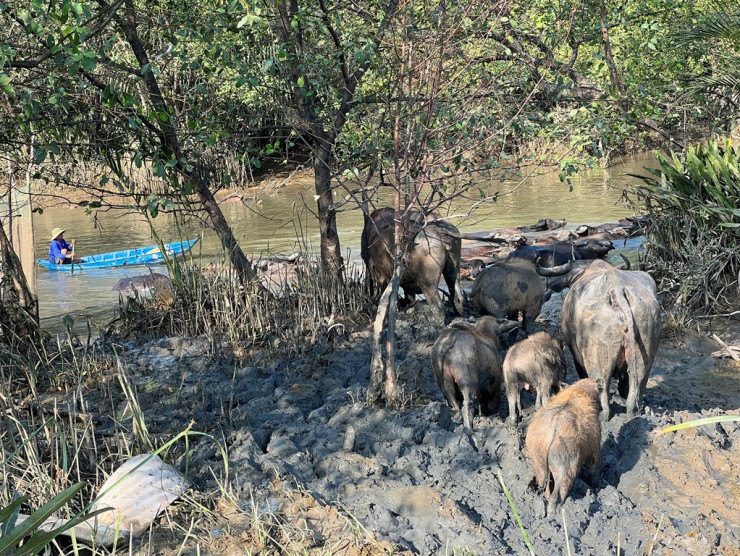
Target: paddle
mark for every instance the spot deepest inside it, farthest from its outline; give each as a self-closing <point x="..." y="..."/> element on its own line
<point x="72" y="270"/>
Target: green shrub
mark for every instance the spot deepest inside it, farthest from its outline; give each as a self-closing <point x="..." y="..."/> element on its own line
<point x="693" y="231"/>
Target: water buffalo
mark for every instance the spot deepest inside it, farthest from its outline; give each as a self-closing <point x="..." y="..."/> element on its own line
<point x="144" y="285"/>
<point x="563" y="436"/>
<point x="536" y="363"/>
<point x="435" y="252"/>
<point x="467" y="365"/>
<point x="505" y="288"/>
<point x="611" y="322"/>
<point x="561" y="252"/>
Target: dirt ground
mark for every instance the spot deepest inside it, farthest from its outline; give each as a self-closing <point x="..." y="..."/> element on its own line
<point x="304" y="447"/>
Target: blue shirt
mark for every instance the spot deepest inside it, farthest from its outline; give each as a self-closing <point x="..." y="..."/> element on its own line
<point x="55" y="250"/>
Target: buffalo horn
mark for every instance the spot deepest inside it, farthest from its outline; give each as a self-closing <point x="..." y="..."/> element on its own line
<point x="626" y="265"/>
<point x="552" y="271"/>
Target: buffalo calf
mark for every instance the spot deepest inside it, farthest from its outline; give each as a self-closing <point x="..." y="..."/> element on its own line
<point x="564" y="435"/>
<point x="537" y="362"/>
<point x="467" y="365"/>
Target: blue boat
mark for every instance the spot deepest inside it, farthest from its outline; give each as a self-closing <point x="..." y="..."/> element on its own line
<point x="129" y="257"/>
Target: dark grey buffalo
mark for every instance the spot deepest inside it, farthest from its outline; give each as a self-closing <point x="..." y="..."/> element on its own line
<point x="611" y="322"/>
<point x="559" y="253"/>
<point x="506" y="288"/>
<point x="559" y="278"/>
<point x="467" y="365"/>
<point x="434" y="253"/>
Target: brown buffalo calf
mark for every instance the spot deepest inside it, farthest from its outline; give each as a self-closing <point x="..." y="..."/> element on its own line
<point x="564" y="435"/>
<point x="537" y="362"/>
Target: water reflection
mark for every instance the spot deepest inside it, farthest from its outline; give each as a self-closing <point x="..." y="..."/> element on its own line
<point x="281" y="220"/>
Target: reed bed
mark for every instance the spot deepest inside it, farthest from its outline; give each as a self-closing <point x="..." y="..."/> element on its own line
<point x="305" y="303"/>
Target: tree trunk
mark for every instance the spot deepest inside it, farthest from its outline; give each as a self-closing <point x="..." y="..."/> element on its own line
<point x="331" y="256"/>
<point x="170" y="143"/>
<point x="377" y="364"/>
<point x="19" y="311"/>
<point x="616" y="81"/>
<point x="238" y="259"/>
<point x="383" y="374"/>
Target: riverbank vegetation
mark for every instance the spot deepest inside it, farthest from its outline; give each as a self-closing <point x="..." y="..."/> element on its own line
<point x="692" y="248"/>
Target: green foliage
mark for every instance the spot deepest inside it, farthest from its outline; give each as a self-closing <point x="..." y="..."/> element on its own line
<point x="694" y="224"/>
<point x="26" y="538"/>
<point x="722" y="78"/>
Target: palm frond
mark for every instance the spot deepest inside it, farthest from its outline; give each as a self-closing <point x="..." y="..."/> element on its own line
<point x="723" y="25"/>
<point x="725" y="83"/>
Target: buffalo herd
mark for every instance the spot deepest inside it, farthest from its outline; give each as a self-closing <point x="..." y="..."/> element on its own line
<point x="610" y="321"/>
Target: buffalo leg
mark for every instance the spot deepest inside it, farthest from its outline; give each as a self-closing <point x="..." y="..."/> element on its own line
<point x="511" y="396"/>
<point x="450" y="273"/>
<point x="450" y="391"/>
<point x="635" y="394"/>
<point x="431" y="294"/>
<point x="468" y="410"/>
<point x="580" y="369"/>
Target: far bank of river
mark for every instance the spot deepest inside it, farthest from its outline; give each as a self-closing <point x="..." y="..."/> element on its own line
<point x="281" y="220"/>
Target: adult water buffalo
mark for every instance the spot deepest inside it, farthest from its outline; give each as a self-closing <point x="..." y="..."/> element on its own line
<point x="559" y="253"/>
<point x="611" y="322"/>
<point x="505" y="288"/>
<point x="435" y="252"/>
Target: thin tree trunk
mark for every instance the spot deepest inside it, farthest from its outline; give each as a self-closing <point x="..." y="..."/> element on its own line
<point x="170" y="143"/>
<point x="392" y="390"/>
<point x="238" y="259"/>
<point x="616" y="81"/>
<point x="383" y="374"/>
<point x="331" y="257"/>
<point x="377" y="364"/>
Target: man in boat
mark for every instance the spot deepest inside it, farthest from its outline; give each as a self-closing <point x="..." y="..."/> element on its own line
<point x="61" y="252"/>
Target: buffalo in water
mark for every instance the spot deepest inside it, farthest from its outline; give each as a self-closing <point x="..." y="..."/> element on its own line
<point x="434" y="252"/>
<point x="611" y="322"/>
<point x="561" y="252"/>
<point x="144" y="285"/>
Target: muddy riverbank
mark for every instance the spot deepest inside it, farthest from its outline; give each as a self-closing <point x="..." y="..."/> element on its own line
<point x="297" y="428"/>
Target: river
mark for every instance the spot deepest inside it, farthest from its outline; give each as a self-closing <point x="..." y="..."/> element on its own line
<point x="277" y="219"/>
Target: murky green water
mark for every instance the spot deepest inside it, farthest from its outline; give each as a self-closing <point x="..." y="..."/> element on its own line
<point x="277" y="220"/>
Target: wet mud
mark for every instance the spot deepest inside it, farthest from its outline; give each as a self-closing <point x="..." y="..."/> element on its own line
<point x="417" y="479"/>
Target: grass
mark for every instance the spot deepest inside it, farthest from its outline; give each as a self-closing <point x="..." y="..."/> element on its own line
<point x="209" y="301"/>
<point x="516" y="514"/>
<point x="701" y="422"/>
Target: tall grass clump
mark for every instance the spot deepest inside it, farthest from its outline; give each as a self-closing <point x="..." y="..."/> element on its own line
<point x="693" y="230"/>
